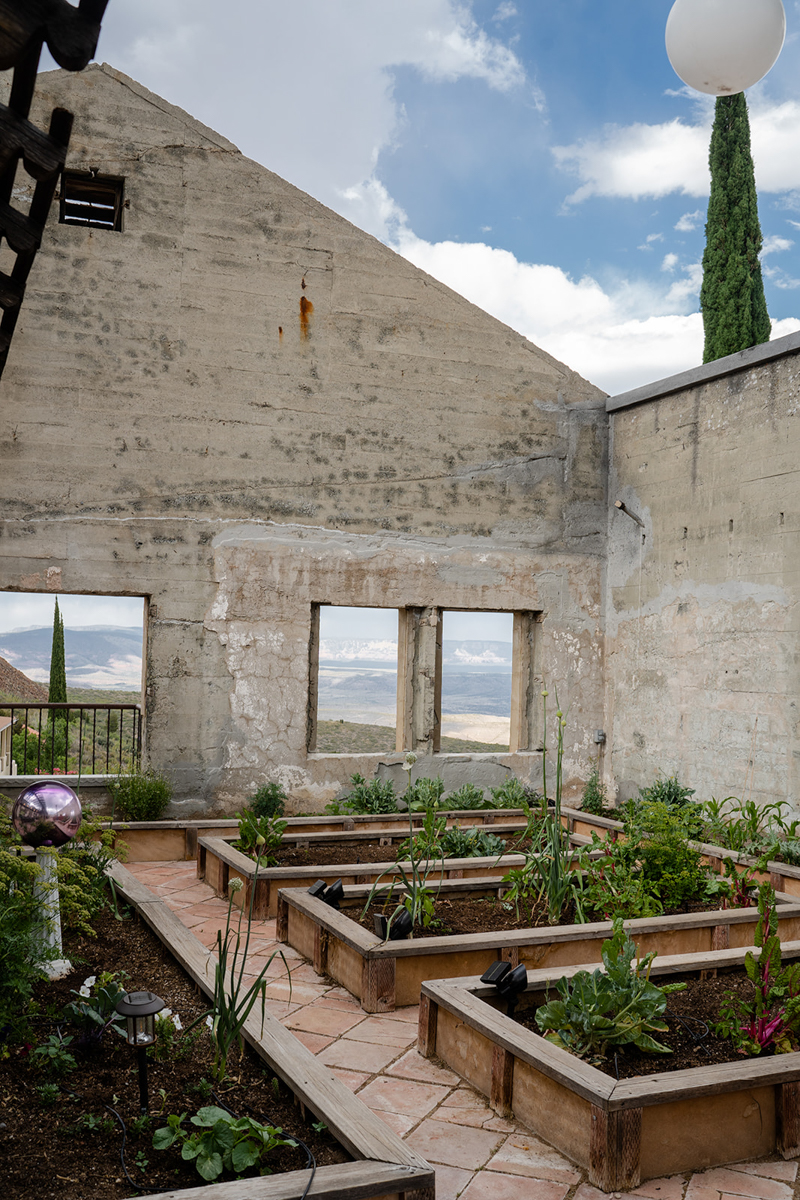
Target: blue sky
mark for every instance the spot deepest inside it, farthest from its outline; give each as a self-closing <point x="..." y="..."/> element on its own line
<point x="542" y="158"/>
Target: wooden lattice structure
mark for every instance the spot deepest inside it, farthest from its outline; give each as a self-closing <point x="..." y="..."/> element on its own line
<point x="71" y="36"/>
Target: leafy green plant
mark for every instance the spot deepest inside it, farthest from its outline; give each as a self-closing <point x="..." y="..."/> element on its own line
<point x="141" y="1160"/>
<point x="770" y="1018"/>
<point x="141" y="795"/>
<point x="594" y="798"/>
<point x="268" y="801"/>
<point x="666" y="790"/>
<point x="612" y="886"/>
<point x="21" y="949"/>
<point x="262" y="834"/>
<point x="615" y="1007"/>
<point x="468" y="796"/>
<point x="419" y="896"/>
<point x="425" y="842"/>
<point x="221" y="1142"/>
<point x="659" y="832"/>
<point x="513" y="794"/>
<point x="374" y="798"/>
<point x="48" y="1094"/>
<point x="424" y="793"/>
<point x="95" y="1010"/>
<point x="54" y="1056"/>
<point x="471" y="842"/>
<point x="233" y="1002"/>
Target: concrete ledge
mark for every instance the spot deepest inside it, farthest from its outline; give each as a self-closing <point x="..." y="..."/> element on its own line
<point x="742" y="361"/>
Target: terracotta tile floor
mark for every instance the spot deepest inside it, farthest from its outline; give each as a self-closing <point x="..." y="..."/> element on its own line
<point x="477" y="1155"/>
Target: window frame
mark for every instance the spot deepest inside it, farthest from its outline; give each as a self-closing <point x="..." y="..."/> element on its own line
<point x="88" y="187"/>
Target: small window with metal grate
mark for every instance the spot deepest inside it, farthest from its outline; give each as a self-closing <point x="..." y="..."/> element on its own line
<point x="91" y="199"/>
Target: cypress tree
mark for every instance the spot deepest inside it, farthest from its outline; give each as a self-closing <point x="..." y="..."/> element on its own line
<point x="57" y="692"/>
<point x="732" y="297"/>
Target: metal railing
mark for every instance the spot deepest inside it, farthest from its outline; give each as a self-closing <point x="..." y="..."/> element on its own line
<point x="72" y="739"/>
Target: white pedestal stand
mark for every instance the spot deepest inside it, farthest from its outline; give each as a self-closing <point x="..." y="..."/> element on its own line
<point x="46" y="892"/>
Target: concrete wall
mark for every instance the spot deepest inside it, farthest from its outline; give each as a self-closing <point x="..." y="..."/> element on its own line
<point x="703" y="658"/>
<point x="241" y="406"/>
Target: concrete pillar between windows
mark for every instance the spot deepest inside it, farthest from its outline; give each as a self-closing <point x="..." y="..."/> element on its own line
<point x="419" y="680"/>
<point x="526" y="684"/>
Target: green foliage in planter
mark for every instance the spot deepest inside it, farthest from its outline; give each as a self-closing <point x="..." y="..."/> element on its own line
<point x="53" y="1055"/>
<point x="752" y="828"/>
<point x="666" y="790"/>
<point x="514" y="794"/>
<point x="221" y="1142"/>
<point x="260" y="835"/>
<point x="268" y="801"/>
<point x="425" y="793"/>
<point x="668" y="861"/>
<point x="141" y="796"/>
<point x="615" y="1007"/>
<point x="468" y="796"/>
<point x="425" y="842"/>
<point x="594" y="798"/>
<point x="374" y="798"/>
<point x="769" y="1020"/>
<point x="472" y="842"/>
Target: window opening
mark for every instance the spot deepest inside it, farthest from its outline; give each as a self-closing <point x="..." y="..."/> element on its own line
<point x="100" y="729"/>
<point x="356" y="684"/>
<point x="477" y="662"/>
<point x="90" y="199"/>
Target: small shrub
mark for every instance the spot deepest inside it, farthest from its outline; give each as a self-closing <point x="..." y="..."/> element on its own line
<point x="141" y="796"/>
<point x="473" y="842"/>
<point x="268" y="801"/>
<point x="594" y="798"/>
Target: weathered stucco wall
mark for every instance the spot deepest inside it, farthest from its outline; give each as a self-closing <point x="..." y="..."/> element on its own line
<point x="242" y="405"/>
<point x="702" y="667"/>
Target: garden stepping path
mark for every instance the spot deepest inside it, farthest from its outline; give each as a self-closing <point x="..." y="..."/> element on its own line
<point x="477" y="1155"/>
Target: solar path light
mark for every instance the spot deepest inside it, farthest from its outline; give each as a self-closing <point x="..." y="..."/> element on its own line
<point x="139" y="1010"/>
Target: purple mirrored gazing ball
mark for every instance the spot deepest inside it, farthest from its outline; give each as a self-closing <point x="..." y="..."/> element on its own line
<point x="47" y="814"/>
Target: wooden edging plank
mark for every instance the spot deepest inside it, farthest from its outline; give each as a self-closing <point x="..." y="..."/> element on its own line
<point x="360" y="1130"/>
<point x="366" y="943"/>
<point x="350" y="1181"/>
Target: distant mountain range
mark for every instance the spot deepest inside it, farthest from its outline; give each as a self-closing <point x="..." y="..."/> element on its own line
<point x="97" y="656"/>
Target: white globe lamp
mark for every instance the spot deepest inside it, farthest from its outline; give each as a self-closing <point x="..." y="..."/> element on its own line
<point x="722" y="47"/>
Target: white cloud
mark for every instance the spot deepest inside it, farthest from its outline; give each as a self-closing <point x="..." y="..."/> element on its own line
<point x="312" y="93"/>
<point x="505" y="10"/>
<point x="775" y="244"/>
<point x="24" y="610"/>
<point x="618" y="337"/>
<point x="650" y="240"/>
<point x="689" y="221"/>
<point x="669" y="262"/>
<point x="640" y="160"/>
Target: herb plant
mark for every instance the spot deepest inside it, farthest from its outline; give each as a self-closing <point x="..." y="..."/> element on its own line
<point x="371" y="798"/>
<point x="468" y="796"/>
<point x="666" y="790"/>
<point x="141" y="795"/>
<point x="471" y="842"/>
<point x="615" y="1007"/>
<point x="594" y="798"/>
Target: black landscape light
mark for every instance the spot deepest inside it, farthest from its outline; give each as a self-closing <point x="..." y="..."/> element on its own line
<point x="329" y="895"/>
<point x="139" y="1010"/>
<point x="395" y="928"/>
<point x="509" y="982"/>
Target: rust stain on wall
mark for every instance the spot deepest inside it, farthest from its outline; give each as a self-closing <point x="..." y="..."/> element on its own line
<point x="306" y="309"/>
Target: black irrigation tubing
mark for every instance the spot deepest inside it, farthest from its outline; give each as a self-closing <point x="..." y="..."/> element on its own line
<point x="312" y="1162"/>
<point x="697" y="1038"/>
<point x="136" y="1186"/>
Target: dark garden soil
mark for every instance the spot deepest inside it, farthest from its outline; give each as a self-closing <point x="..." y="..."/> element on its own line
<point x="69" y="1146"/>
<point x="347" y="853"/>
<point x="690" y="1016"/>
<point x="490" y="915"/>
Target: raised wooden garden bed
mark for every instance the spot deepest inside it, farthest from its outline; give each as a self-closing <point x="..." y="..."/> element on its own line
<point x="622" y="1132"/>
<point x="385" y="975"/>
<point x="386" y="1167"/>
<point x="171" y="841"/>
<point x="218" y="863"/>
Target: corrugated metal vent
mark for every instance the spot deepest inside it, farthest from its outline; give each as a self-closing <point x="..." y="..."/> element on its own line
<point x="94" y="200"/>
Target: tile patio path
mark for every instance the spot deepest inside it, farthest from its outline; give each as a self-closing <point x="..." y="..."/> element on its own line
<point x="477" y="1155"/>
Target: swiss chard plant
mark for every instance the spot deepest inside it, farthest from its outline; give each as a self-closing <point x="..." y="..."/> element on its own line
<point x="260" y="835"/>
<point x="617" y="1006"/>
<point x="768" y="1019"/>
